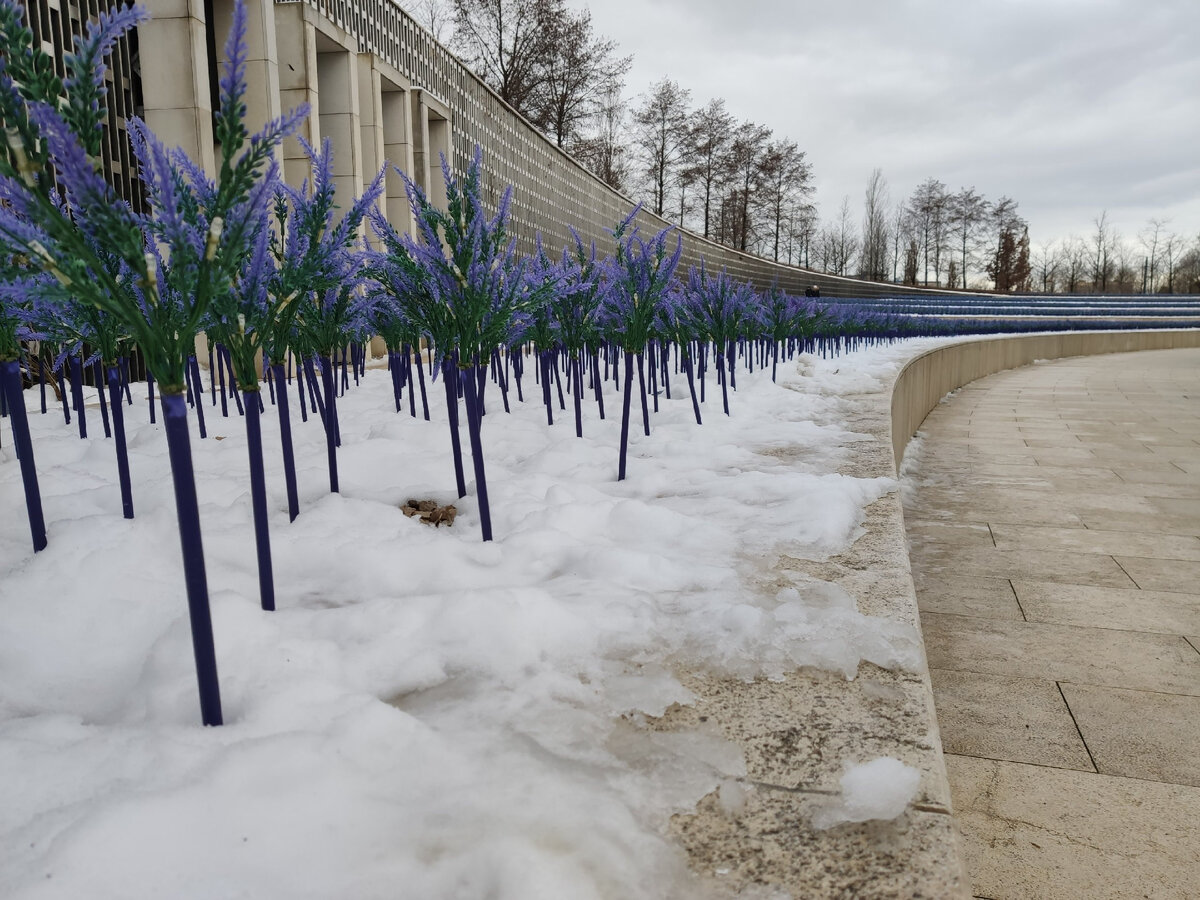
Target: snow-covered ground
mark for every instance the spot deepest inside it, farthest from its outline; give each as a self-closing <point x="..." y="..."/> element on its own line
<point x="425" y="715"/>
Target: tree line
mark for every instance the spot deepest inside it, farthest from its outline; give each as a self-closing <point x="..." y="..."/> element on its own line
<point x="737" y="183"/>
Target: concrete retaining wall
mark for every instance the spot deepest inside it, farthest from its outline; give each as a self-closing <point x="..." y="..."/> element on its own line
<point x="924" y="381"/>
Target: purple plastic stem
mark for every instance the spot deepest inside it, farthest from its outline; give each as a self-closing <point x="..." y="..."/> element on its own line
<point x="518" y="368"/>
<point x="473" y="427"/>
<point x="42" y="380"/>
<point x="212" y="380"/>
<point x="732" y="366"/>
<point x="544" y="363"/>
<point x="642" y="391"/>
<point x="118" y="421"/>
<point x="345" y="375"/>
<point x="315" y="397"/>
<point x="63" y="386"/>
<point x="421" y="383"/>
<point x="596" y="381"/>
<point x="331" y="396"/>
<point x="269" y="375"/>
<point x="687" y="367"/>
<point x="449" y="377"/>
<point x="665" y="355"/>
<point x="13" y="389"/>
<point x="577" y="392"/>
<point x="285" y="438"/>
<point x="98" y="376"/>
<point x="300" y="391"/>
<point x="124" y="363"/>
<point x="227" y="357"/>
<point x="412" y="393"/>
<point x="220" y="379"/>
<point x="625" y="414"/>
<point x="562" y="403"/>
<point x="654" y="375"/>
<point x="394" y="372"/>
<point x="194" y="367"/>
<point x="703" y="348"/>
<point x="723" y="378"/>
<point x="330" y="418"/>
<point x="174" y="407"/>
<point x="77" y="394"/>
<point x="501" y="378"/>
<point x="258" y="501"/>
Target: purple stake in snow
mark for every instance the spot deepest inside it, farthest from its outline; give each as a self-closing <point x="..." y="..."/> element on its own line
<point x="13" y="390"/>
<point x="194" y="368"/>
<point x="118" y="421"/>
<point x="472" y="400"/>
<point x="285" y="438"/>
<point x="98" y="375"/>
<point x="187" y="507"/>
<point x="258" y="500"/>
<point x="330" y="418"/>
<point x="450" y="377"/>
<point x="77" y="393"/>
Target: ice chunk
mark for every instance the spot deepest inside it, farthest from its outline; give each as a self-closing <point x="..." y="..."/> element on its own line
<point x="879" y="789"/>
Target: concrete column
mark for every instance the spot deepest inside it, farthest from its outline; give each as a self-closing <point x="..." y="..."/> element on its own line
<point x="297" y="42"/>
<point x="340" y="121"/>
<point x="398" y="150"/>
<point x="175" y="91"/>
<point x="420" y="140"/>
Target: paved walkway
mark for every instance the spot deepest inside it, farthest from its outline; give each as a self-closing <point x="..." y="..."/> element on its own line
<point x="1055" y="532"/>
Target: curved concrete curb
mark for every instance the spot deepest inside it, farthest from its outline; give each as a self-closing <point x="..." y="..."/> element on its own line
<point x="925" y="380"/>
<point x="797" y="733"/>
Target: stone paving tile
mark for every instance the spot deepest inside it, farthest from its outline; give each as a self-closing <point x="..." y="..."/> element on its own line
<point x="1160" y="748"/>
<point x="1173" y="505"/>
<point x="958" y="532"/>
<point x="1181" y="576"/>
<point x="1162" y="473"/>
<point x="1035" y="565"/>
<point x="1087" y="540"/>
<point x="998" y="717"/>
<point x="1099" y="607"/>
<point x="1033" y="833"/>
<point x="1146" y="522"/>
<point x="1141" y="661"/>
<point x="964" y="595"/>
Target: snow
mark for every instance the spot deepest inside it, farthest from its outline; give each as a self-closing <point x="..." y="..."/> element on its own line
<point x="879" y="789"/>
<point x="425" y="715"/>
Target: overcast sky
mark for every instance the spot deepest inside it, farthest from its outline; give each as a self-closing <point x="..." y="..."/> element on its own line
<point x="1070" y="107"/>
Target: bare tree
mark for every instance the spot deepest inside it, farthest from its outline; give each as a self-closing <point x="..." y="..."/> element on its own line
<point x="785" y="180"/>
<point x="435" y="16"/>
<point x="873" y="261"/>
<point x="927" y="209"/>
<point x="1173" y="247"/>
<point x="901" y="233"/>
<point x="710" y="135"/>
<point x="1102" y="247"/>
<point x="966" y="214"/>
<point x="660" y="130"/>
<point x="745" y="168"/>
<point x="840" y="241"/>
<point x="602" y="150"/>
<point x="1046" y="263"/>
<point x="1151" y="238"/>
<point x="506" y="42"/>
<point x="577" y="74"/>
<point x="1074" y="263"/>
